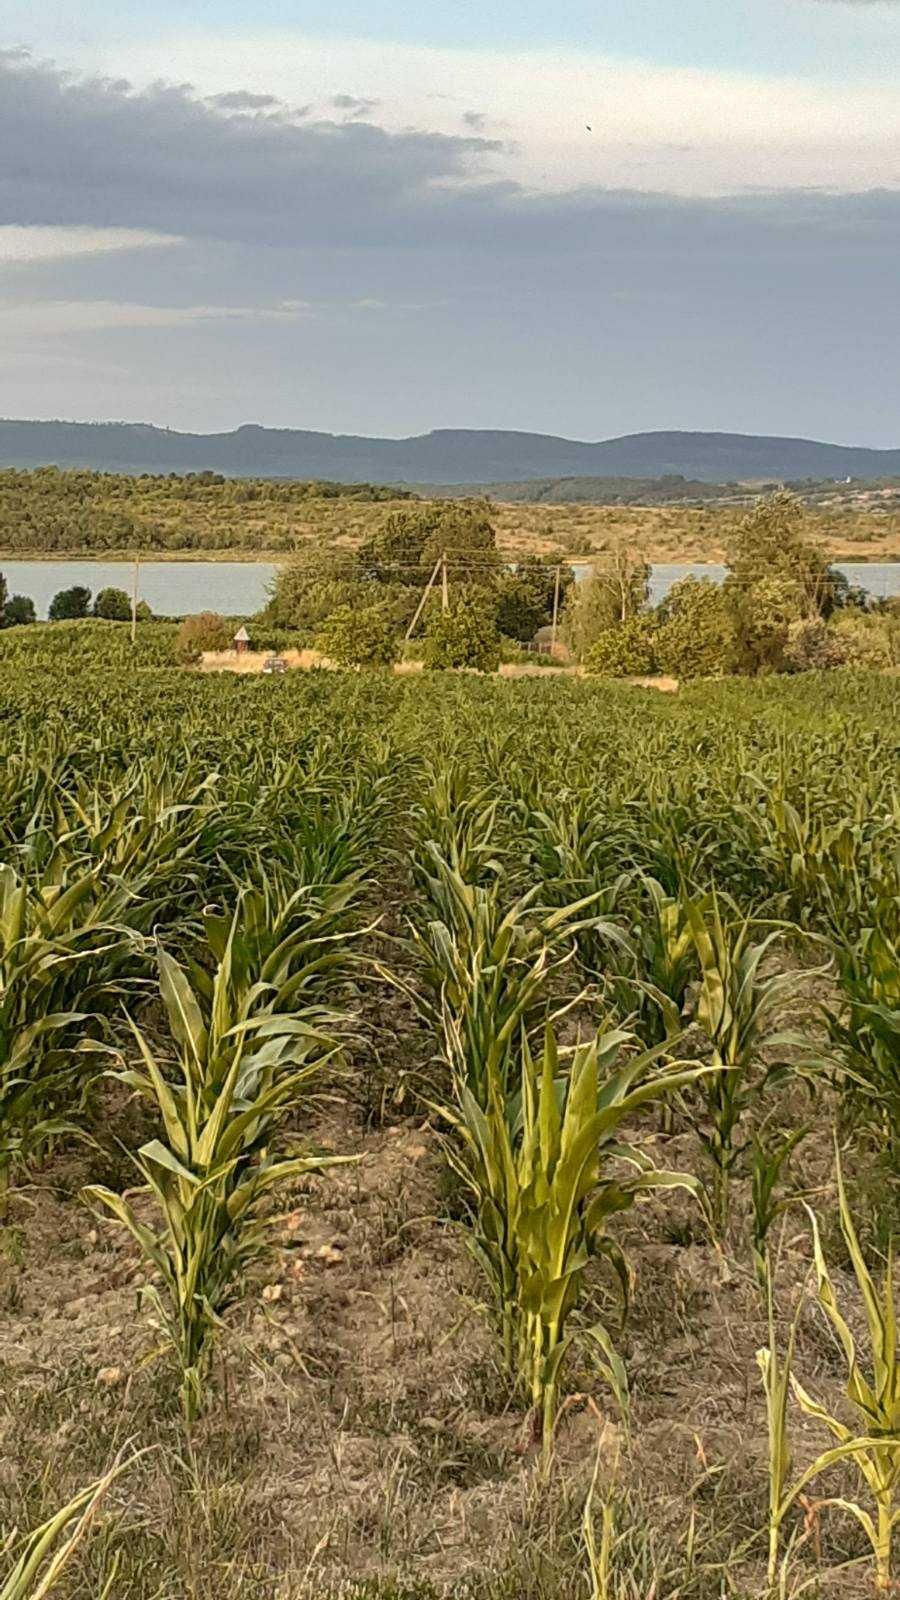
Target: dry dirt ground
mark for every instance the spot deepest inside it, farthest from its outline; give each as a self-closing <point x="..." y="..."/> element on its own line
<point x="361" y="1441"/>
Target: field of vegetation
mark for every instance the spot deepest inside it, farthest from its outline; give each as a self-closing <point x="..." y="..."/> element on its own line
<point x="48" y="512"/>
<point x="449" y="1133"/>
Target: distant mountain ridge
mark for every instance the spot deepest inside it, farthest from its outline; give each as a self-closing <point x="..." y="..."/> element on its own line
<point x="445" y="456"/>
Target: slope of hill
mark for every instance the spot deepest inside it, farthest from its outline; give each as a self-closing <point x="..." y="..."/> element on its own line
<point x="445" y="456"/>
<point x="52" y="513"/>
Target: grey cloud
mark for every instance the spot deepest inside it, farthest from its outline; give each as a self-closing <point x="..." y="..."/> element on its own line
<point x="99" y="150"/>
<point x="476" y="120"/>
<point x="357" y="107"/>
<point x="243" y="100"/>
<point x="102" y="153"/>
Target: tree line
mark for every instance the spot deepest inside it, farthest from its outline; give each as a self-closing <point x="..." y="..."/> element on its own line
<point x="435" y="571"/>
<point x="49" y="510"/>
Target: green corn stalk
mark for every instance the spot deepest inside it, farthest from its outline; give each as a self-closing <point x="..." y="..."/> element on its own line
<point x="768" y="1161"/>
<point x="485" y="972"/>
<point x="776" y="1377"/>
<point x="242" y="1067"/>
<point x="52" y="967"/>
<point x="865" y="1032"/>
<point x="874" y="1447"/>
<point x="733" y="1008"/>
<point x="545" y="1172"/>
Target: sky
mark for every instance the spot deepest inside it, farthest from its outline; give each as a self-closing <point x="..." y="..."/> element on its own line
<point x="386" y="217"/>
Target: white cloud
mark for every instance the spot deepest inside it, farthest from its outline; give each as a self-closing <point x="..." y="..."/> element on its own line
<point x="21" y="245"/>
<point x="37" y="317"/>
<point x="685" y="131"/>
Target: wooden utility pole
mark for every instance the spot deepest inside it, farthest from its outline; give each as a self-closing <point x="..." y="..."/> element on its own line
<point x="445" y="587"/>
<point x="134" y="600"/>
<point x="555" y="612"/>
<point x="421" y="606"/>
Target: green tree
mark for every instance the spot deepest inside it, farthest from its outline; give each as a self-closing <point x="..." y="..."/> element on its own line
<point x="525" y="596"/>
<point x="777" y="578"/>
<point x="696" y="637"/>
<point x="113" y="604"/>
<point x="464" y="636"/>
<point x="206" y="630"/>
<point x="358" y="637"/>
<point x="617" y="589"/>
<point x="70" y="604"/>
<point x="408" y="545"/>
<point x="18" y="610"/>
<point x="625" y="650"/>
<point x="3" y="600"/>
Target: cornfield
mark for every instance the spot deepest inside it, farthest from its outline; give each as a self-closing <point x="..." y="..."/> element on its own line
<point x="474" y="1046"/>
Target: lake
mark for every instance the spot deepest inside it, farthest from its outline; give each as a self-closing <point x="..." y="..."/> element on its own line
<point x="240" y="588"/>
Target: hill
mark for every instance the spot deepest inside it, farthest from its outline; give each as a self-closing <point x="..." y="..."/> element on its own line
<point x="48" y="512"/>
<point x="445" y="456"/>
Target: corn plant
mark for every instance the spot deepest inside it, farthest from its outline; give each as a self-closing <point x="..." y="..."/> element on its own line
<point x="649" y="978"/>
<point x="485" y="973"/>
<point x="873" y="1443"/>
<point x="777" y="1371"/>
<point x="544" y="1170"/>
<point x="865" y="1030"/>
<point x="242" y="1067"/>
<point x="769" y="1160"/>
<point x="733" y="1009"/>
<point x="52" y="972"/>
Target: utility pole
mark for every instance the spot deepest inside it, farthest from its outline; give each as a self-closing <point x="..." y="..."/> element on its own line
<point x="134" y="600"/>
<point x="421" y="606"/>
<point x="555" y="612"/>
<point x="445" y="587"/>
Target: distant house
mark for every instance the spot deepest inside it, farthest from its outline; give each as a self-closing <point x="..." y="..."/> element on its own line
<point x="241" y="640"/>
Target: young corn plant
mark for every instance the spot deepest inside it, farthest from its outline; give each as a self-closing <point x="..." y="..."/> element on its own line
<point x="873" y="1444"/>
<point x="485" y="973"/>
<point x="51" y="981"/>
<point x="865" y="1032"/>
<point x="777" y="1372"/>
<point x="733" y="1009"/>
<point x="769" y="1160"/>
<point x="545" y="1170"/>
<point x="650" y="980"/>
<point x="241" y="1067"/>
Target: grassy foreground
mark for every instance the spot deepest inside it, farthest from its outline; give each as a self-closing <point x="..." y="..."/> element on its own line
<point x="358" y="1431"/>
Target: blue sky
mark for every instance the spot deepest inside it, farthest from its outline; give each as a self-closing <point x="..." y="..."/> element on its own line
<point x="825" y="39"/>
<point x="587" y="219"/>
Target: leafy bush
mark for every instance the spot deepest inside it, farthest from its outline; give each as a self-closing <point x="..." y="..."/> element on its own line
<point x="864" y="638"/>
<point x="19" y="609"/>
<point x="696" y="634"/>
<point x="358" y="637"/>
<point x="113" y="604"/>
<point x="811" y="646"/>
<point x="624" y="651"/>
<point x="464" y="636"/>
<point x="70" y="604"/>
<point x="204" y="631"/>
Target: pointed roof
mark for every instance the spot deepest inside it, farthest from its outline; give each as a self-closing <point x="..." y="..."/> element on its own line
<point x="242" y="636"/>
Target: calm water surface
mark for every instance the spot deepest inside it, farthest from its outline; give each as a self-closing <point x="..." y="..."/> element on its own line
<point x="239" y="588"/>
